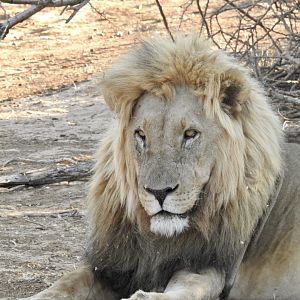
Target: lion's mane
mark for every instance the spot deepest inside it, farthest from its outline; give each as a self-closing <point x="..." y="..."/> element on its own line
<point x="249" y="158"/>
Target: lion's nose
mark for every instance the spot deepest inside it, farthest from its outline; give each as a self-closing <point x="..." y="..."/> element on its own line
<point x="161" y="195"/>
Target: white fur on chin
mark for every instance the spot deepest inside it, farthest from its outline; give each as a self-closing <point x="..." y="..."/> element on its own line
<point x="168" y="225"/>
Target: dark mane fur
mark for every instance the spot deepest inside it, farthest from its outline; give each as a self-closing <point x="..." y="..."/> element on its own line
<point x="130" y="260"/>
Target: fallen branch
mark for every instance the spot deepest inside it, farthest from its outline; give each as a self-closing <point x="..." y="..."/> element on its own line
<point x="35" y="178"/>
<point x="72" y="212"/>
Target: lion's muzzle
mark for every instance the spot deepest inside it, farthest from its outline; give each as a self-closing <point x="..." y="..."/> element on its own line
<point x="161" y="194"/>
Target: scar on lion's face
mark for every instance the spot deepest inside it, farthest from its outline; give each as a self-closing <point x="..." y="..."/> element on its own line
<point x="170" y="140"/>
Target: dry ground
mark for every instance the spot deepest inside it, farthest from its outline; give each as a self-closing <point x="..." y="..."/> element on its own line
<point x="42" y="230"/>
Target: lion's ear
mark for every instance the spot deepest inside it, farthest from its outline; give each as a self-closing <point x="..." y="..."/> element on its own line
<point x="233" y="93"/>
<point x="118" y="93"/>
<point x="229" y="99"/>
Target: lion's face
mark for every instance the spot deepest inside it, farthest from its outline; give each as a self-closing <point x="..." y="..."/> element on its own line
<point x="174" y="148"/>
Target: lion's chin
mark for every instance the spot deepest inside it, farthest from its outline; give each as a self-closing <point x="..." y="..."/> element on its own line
<point x="168" y="225"/>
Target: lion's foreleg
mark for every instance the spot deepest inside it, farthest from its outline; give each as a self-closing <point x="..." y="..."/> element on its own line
<point x="76" y="285"/>
<point x="206" y="285"/>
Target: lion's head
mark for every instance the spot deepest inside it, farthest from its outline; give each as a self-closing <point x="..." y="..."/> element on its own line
<point x="174" y="148"/>
<point x="194" y="144"/>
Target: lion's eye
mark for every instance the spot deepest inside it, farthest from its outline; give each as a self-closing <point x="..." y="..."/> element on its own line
<point x="190" y="134"/>
<point x="141" y="134"/>
<point x="140" y="138"/>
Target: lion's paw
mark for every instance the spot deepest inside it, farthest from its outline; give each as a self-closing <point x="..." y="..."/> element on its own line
<point x="141" y="295"/>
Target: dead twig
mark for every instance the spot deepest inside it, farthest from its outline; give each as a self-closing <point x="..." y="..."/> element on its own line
<point x="256" y="21"/>
<point x="164" y="19"/>
<point x="186" y="6"/>
<point x="76" y="9"/>
<point x="102" y="15"/>
<point x="203" y="17"/>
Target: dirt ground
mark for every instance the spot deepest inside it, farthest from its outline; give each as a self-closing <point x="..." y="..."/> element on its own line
<point x="52" y="115"/>
<point x="42" y="230"/>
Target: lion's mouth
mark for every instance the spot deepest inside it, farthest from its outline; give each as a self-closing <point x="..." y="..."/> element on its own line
<point x="201" y="198"/>
<point x="168" y="224"/>
<point x="167" y="214"/>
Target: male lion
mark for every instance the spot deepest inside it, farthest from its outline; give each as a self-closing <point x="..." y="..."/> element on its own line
<point x="194" y="188"/>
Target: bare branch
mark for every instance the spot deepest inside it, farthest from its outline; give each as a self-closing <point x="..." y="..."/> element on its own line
<point x="203" y="17"/>
<point x="18" y="18"/>
<point x="48" y="3"/>
<point x="36" y="6"/>
<point x="164" y="19"/>
<point x="258" y="22"/>
<point x="76" y="9"/>
<point x="186" y="7"/>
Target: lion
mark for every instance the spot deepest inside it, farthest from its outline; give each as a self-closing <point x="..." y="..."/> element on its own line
<point x="195" y="195"/>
